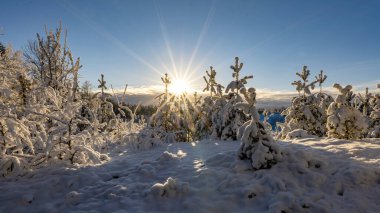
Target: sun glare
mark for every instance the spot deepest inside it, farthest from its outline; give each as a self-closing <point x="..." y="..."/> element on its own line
<point x="180" y="86"/>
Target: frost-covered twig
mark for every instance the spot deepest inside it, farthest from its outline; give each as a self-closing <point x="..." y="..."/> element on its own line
<point x="48" y="116"/>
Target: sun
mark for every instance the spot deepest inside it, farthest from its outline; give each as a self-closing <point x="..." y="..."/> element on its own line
<point x="179" y="86"/>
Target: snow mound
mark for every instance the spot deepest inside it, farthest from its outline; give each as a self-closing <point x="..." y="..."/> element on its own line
<point x="298" y="133"/>
<point x="73" y="198"/>
<point x="11" y="165"/>
<point x="147" y="169"/>
<point x="27" y="198"/>
<point x="114" y="192"/>
<point x="167" y="156"/>
<point x="171" y="188"/>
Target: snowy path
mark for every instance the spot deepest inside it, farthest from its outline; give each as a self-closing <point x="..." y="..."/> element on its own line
<point x="315" y="176"/>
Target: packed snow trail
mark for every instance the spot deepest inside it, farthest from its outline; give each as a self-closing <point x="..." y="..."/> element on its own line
<point x="316" y="175"/>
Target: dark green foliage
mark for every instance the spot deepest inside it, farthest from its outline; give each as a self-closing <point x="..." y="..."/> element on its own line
<point x="2" y="49"/>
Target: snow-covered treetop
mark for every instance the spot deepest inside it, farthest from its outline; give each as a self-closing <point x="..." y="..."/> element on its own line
<point x="365" y="101"/>
<point x="166" y="80"/>
<point x="102" y="84"/>
<point x="249" y="105"/>
<point x="304" y="74"/>
<point x="249" y="95"/>
<point x="211" y="84"/>
<point x="304" y="85"/>
<point x="237" y="68"/>
<point x="197" y="99"/>
<point x="344" y="95"/>
<point x="211" y="75"/>
<point x="320" y="78"/>
<point x="238" y="82"/>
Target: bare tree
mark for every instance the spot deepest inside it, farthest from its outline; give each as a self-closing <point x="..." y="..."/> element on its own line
<point x="52" y="63"/>
<point x="86" y="89"/>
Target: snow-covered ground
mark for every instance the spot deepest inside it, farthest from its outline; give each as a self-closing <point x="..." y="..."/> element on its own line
<point x="315" y="175"/>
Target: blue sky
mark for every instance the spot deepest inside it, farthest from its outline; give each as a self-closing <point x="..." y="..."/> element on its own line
<point x="134" y="41"/>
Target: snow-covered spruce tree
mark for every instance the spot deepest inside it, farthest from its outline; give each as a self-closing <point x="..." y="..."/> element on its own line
<point x="17" y="146"/>
<point x="322" y="98"/>
<point x="105" y="111"/>
<point x="211" y="84"/>
<point x="320" y="79"/>
<point x="89" y="102"/>
<point x="102" y="85"/>
<point x="234" y="86"/>
<point x="230" y="118"/>
<point x="189" y="114"/>
<point x="217" y="117"/>
<point x="15" y="84"/>
<point x="176" y="116"/>
<point x="344" y="121"/>
<point x="374" y="122"/>
<point x="308" y="111"/>
<point x="364" y="103"/>
<point x="109" y="113"/>
<point x="323" y="101"/>
<point x="201" y="116"/>
<point x="166" y="120"/>
<point x="256" y="143"/>
<point x="123" y="112"/>
<point x="160" y="118"/>
<point x="204" y="125"/>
